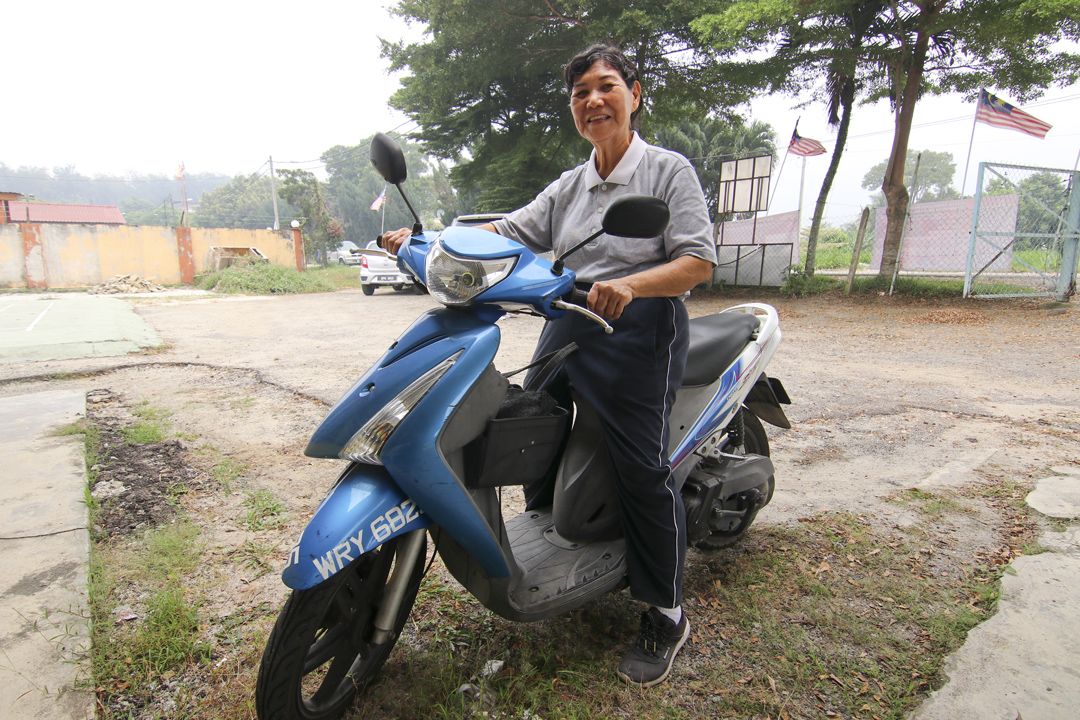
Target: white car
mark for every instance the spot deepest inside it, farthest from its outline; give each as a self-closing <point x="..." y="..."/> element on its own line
<point x="347" y="253"/>
<point x="377" y="267"/>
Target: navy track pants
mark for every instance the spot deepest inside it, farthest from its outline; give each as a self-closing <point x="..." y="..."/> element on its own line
<point x="630" y="378"/>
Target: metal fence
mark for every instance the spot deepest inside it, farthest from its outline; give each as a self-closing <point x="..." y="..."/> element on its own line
<point x="1024" y="232"/>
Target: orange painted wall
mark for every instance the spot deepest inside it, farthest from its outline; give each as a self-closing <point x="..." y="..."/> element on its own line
<point x="85" y="255"/>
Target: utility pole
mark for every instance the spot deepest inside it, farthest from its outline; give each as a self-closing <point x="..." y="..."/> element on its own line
<point x="273" y="194"/>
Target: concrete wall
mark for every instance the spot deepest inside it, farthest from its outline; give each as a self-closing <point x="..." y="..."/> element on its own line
<point x="58" y="256"/>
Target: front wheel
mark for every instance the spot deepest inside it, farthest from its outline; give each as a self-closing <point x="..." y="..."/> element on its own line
<point x="324" y="648"/>
<point x="733" y="517"/>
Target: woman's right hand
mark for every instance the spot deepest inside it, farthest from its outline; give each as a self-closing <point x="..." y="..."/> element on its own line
<point x="393" y="239"/>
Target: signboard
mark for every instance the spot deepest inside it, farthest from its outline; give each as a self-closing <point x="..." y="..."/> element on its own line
<point x="744" y="184"/>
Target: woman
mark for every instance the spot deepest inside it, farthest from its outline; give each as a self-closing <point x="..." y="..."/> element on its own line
<point x="629" y="377"/>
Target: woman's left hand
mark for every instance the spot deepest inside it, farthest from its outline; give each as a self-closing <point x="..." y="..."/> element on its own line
<point x="609" y="298"/>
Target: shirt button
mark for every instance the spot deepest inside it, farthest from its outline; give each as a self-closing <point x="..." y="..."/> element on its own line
<point x="599" y="210"/>
<point x="603" y="187"/>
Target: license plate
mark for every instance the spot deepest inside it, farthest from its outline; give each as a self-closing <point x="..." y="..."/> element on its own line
<point x="385" y="278"/>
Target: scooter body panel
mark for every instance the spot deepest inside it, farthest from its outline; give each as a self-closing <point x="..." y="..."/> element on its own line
<point x="364" y="510"/>
<point x="412" y="456"/>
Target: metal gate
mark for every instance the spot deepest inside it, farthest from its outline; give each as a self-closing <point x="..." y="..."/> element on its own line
<point x="1024" y="243"/>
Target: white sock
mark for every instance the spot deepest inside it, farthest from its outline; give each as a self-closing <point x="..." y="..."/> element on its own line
<point x="673" y="614"/>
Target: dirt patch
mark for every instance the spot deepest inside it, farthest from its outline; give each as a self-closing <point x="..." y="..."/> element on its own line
<point x="136" y="484"/>
<point x="951" y="316"/>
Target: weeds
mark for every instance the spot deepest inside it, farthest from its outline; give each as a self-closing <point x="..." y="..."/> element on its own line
<point x="152" y="426"/>
<point x="91" y="445"/>
<point x="929" y="504"/>
<point x="263" y="279"/>
<point x="257" y="557"/>
<point x="226" y="472"/>
<point x="264" y="510"/>
<point x="799" y="284"/>
<point x="129" y="660"/>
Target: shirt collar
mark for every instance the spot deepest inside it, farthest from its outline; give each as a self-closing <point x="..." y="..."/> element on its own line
<point x="624" y="171"/>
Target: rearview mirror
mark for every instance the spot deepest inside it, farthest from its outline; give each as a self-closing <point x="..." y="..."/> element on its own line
<point x="388" y="159"/>
<point x="636" y="216"/>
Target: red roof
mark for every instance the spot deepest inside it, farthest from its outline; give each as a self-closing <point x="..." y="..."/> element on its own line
<point x="57" y="213"/>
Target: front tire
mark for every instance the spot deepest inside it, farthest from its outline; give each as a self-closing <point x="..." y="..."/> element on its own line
<point x="320" y="655"/>
<point x="730" y="529"/>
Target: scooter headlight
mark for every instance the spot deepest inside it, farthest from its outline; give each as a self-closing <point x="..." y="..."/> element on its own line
<point x="369" y="440"/>
<point x="454" y="280"/>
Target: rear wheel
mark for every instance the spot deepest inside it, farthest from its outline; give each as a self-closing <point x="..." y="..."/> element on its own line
<point x="368" y="289"/>
<point x="732" y="518"/>
<point x="321" y="652"/>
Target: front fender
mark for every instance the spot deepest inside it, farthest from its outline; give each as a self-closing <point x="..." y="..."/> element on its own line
<point x="364" y="510"/>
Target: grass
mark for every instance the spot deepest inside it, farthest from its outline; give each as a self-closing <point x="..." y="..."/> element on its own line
<point x="834" y="617"/>
<point x="130" y="657"/>
<point x="91" y="445"/>
<point x="930" y="504"/>
<point x="226" y="472"/>
<point x="799" y="284"/>
<point x="264" y="279"/>
<point x="264" y="510"/>
<point x="152" y="426"/>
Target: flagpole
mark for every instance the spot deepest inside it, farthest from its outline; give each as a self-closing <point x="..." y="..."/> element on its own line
<point x="971" y="142"/>
<point x="802" y="182"/>
<point x="382" y="227"/>
<point x="776" y="185"/>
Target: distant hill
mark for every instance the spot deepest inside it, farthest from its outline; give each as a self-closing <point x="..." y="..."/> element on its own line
<point x="130" y="192"/>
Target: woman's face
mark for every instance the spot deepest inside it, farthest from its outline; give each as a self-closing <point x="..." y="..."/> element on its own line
<point x="602" y="103"/>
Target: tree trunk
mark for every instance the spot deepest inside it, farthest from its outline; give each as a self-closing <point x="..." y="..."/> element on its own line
<point x="847" y="99"/>
<point x="896" y="195"/>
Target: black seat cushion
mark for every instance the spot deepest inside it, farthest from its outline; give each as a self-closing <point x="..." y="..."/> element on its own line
<point x="715" y="342"/>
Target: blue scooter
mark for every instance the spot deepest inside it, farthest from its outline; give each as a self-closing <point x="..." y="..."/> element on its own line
<point x="433" y="431"/>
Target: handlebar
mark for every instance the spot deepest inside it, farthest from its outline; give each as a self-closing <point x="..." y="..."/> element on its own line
<point x="579" y="296"/>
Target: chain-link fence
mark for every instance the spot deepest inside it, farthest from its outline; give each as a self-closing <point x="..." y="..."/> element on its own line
<point x="1017" y="237"/>
<point x="1024" y="233"/>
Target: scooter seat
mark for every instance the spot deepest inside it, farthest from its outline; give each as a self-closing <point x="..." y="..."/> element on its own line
<point x="715" y="342"/>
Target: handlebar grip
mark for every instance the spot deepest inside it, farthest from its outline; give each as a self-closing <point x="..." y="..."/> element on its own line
<point x="378" y="241"/>
<point x="579" y="297"/>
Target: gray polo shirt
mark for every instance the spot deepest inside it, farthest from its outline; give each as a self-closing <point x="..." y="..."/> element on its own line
<point x="570" y="209"/>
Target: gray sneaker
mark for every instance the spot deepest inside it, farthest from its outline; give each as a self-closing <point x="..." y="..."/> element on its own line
<point x="648" y="662"/>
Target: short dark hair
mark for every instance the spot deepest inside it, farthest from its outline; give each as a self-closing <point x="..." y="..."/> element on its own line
<point x="609" y="55"/>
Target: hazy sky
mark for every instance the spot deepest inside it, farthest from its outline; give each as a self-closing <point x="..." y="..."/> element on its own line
<point x="117" y="86"/>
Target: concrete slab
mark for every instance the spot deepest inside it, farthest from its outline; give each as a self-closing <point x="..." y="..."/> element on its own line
<point x="1022" y="662"/>
<point x="53" y="326"/>
<point x="1057" y="496"/>
<point x="44" y="550"/>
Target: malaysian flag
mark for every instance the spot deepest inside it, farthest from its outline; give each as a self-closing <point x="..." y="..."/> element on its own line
<point x="377" y="203"/>
<point x="992" y="110"/>
<point x="804" y="146"/>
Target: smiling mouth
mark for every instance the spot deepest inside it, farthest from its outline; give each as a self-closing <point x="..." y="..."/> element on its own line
<point x="598" y="118"/>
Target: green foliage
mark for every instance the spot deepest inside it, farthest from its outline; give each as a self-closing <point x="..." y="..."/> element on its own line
<point x="246" y="201"/>
<point x="799" y="284"/>
<point x="936" y="170"/>
<point x="1044" y="203"/>
<point x="131" y="658"/>
<point x="353" y="184"/>
<point x="840" y="50"/>
<point x="485" y="82"/>
<point x="262" y="279"/>
<point x="914" y="287"/>
<point x="264" y="510"/>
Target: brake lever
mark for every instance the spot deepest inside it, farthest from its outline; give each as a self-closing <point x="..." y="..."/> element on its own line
<point x="562" y="305"/>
